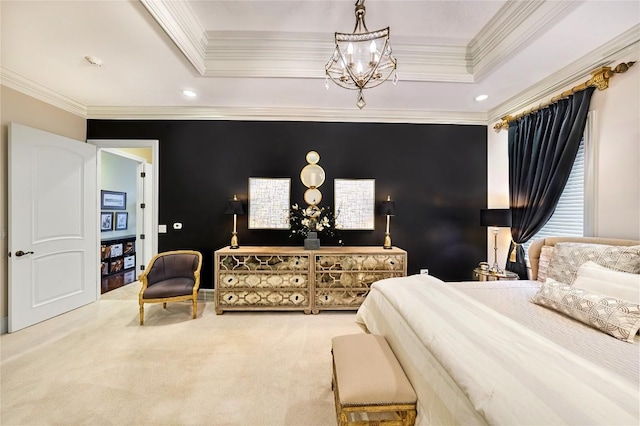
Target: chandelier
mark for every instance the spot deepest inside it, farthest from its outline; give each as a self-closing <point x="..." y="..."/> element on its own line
<point x="361" y="60"/>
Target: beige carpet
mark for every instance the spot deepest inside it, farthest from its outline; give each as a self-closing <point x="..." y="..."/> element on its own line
<point x="97" y="366"/>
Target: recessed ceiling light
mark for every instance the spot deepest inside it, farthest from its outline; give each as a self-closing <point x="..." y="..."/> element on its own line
<point x="481" y="98"/>
<point x="189" y="93"/>
<point x="93" y="60"/>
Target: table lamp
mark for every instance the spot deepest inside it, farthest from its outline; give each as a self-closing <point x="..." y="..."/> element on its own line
<point x="496" y="218"/>
<point x="234" y="208"/>
<point x="388" y="209"/>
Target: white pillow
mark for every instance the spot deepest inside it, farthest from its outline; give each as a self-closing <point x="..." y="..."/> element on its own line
<point x="599" y="279"/>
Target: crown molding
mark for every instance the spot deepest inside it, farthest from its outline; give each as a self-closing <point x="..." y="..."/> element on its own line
<point x="28" y="87"/>
<point x="181" y="24"/>
<point x="274" y="55"/>
<point x="287" y="114"/>
<point x="577" y="71"/>
<point x="511" y="29"/>
<point x="446" y="57"/>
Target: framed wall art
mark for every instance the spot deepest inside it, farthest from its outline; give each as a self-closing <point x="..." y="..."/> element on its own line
<point x="269" y="203"/>
<point x="106" y="221"/>
<point x="355" y="204"/>
<point x="113" y="200"/>
<point x="122" y="220"/>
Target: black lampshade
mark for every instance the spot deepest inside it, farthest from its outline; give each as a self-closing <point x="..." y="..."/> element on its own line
<point x="234" y="207"/>
<point x="495" y="217"/>
<point x="388" y="208"/>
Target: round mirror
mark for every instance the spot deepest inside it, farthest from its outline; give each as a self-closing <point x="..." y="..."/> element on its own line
<point x="313" y="157"/>
<point x="312" y="176"/>
<point x="312" y="196"/>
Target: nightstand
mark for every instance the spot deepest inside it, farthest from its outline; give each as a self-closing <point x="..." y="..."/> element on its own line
<point x="486" y="275"/>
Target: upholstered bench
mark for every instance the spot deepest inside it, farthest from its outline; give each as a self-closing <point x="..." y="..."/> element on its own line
<point x="369" y="384"/>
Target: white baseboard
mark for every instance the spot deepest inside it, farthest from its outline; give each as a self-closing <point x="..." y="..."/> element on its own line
<point x="4" y="325"/>
<point x="207" y="293"/>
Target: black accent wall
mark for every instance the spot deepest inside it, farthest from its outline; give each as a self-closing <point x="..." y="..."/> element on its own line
<point x="436" y="174"/>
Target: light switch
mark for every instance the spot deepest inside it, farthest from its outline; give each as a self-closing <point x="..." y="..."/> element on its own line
<point x="177" y="225"/>
<point x="162" y="229"/>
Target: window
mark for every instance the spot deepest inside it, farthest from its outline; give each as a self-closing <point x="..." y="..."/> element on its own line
<point x="571" y="218"/>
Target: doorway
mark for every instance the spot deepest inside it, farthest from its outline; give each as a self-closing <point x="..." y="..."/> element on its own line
<point x="144" y="237"/>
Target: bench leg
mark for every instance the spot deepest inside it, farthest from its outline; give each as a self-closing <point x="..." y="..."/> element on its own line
<point x="341" y="415"/>
<point x="408" y="417"/>
<point x="343" y="420"/>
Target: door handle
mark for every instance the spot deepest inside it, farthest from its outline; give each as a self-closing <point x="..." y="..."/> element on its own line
<point x="20" y="253"/>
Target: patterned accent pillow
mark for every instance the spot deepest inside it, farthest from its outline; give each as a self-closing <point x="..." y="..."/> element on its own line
<point x="546" y="253"/>
<point x="615" y="317"/>
<point x="567" y="258"/>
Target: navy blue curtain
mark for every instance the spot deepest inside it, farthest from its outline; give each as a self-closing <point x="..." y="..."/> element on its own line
<point x="542" y="149"/>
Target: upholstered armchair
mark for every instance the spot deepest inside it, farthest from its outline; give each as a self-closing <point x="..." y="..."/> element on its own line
<point x="171" y="277"/>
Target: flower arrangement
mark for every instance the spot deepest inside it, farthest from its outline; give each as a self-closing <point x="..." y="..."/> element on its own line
<point x="312" y="219"/>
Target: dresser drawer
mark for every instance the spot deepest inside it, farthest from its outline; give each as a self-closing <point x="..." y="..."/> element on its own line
<point x="351" y="279"/>
<point x="256" y="262"/>
<point x="263" y="298"/>
<point x="262" y="280"/>
<point x="373" y="262"/>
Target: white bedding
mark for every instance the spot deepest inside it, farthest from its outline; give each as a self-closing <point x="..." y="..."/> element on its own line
<point x="472" y="365"/>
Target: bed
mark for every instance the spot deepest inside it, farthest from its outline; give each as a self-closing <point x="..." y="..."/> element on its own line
<point x="480" y="352"/>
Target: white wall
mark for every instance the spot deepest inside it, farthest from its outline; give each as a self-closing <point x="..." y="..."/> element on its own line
<point x="617" y="130"/>
<point x="498" y="189"/>
<point x="617" y="159"/>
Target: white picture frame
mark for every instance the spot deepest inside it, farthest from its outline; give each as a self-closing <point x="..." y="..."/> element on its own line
<point x="355" y="204"/>
<point x="269" y="203"/>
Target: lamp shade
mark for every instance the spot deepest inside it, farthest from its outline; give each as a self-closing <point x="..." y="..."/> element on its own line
<point x="388" y="208"/>
<point x="495" y="217"/>
<point x="234" y="207"/>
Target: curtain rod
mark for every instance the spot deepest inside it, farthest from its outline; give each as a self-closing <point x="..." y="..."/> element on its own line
<point x="599" y="78"/>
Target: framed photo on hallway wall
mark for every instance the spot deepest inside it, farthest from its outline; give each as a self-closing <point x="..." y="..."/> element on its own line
<point x="122" y="220"/>
<point x="113" y="200"/>
<point x="106" y="221"/>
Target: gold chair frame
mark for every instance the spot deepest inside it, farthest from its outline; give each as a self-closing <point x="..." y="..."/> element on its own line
<point x="164" y="300"/>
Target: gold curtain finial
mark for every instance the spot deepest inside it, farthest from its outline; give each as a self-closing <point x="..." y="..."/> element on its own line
<point x="503" y="124"/>
<point x="599" y="79"/>
<point x="623" y="67"/>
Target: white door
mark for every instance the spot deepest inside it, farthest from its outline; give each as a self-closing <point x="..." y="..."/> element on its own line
<point x="53" y="263"/>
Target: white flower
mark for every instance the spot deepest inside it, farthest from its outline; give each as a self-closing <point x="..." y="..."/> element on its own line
<point x="319" y="228"/>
